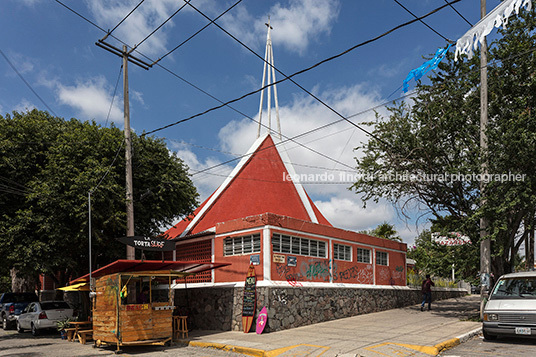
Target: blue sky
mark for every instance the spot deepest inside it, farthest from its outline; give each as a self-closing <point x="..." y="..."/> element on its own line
<point x="55" y="51"/>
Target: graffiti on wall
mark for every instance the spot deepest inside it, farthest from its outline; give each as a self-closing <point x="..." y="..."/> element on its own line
<point x="315" y="270"/>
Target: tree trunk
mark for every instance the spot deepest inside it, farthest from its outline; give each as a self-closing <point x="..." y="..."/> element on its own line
<point x="20" y="284"/>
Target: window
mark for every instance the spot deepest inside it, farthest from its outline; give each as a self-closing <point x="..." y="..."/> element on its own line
<point x="295" y="245"/>
<point x="363" y="255"/>
<point x="242" y="245"/>
<point x="381" y="258"/>
<point x="342" y="252"/>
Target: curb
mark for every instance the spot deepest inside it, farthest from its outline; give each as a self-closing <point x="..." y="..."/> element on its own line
<point x="230" y="348"/>
<point x="448" y="344"/>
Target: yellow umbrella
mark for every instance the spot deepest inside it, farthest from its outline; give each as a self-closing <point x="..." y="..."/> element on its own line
<point x="76" y="287"/>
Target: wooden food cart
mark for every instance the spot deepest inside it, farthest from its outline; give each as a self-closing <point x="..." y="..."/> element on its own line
<point x="120" y="318"/>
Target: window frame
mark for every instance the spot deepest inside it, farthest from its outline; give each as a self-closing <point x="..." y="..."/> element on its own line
<point x="287" y="244"/>
<point x="360" y="255"/>
<point x="242" y="245"/>
<point x="380" y="261"/>
<point x="346" y="249"/>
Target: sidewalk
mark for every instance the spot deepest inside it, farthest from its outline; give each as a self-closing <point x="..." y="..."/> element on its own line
<point x="398" y="332"/>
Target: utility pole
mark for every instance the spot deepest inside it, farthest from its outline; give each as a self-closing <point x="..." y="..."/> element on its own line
<point x="127" y="57"/>
<point x="485" y="244"/>
<point x="128" y="157"/>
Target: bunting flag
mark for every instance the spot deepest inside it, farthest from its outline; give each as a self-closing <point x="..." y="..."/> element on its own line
<point x="497" y="17"/>
<point x="417" y="73"/>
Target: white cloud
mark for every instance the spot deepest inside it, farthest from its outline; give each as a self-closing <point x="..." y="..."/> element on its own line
<point x="295" y="24"/>
<point x="24" y="106"/>
<point x="139" y="24"/>
<point x="91" y="98"/>
<point x="206" y="183"/>
<point x="348" y="213"/>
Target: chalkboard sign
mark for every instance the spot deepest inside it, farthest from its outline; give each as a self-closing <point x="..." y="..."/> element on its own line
<point x="250" y="299"/>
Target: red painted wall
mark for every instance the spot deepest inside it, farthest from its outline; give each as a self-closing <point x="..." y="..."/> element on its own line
<point x="236" y="272"/>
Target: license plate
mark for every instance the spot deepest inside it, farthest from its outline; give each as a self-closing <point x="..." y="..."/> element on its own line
<point x="523" y="331"/>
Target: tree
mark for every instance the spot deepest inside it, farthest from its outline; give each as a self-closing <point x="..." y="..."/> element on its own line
<point x="49" y="165"/>
<point x="384" y="230"/>
<point x="428" y="154"/>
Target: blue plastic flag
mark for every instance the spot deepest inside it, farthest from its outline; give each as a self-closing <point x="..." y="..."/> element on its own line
<point x="417" y="73"/>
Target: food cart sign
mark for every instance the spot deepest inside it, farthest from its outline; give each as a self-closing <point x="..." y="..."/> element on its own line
<point x="146" y="243"/>
<point x="451" y="239"/>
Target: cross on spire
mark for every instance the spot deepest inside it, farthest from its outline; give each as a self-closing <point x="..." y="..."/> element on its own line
<point x="268" y="79"/>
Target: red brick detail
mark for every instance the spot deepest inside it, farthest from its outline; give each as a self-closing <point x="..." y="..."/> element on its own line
<point x="200" y="251"/>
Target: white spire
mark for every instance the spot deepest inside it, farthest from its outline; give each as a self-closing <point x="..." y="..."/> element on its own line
<point x="269" y="63"/>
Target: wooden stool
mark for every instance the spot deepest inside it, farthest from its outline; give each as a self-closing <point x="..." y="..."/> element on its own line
<point x="180" y="326"/>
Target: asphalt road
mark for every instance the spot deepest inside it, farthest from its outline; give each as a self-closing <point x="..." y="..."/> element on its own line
<point x="502" y="347"/>
<point x="49" y="344"/>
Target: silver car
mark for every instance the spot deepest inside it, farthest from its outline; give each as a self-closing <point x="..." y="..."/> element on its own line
<point x="43" y="315"/>
<point x="511" y="308"/>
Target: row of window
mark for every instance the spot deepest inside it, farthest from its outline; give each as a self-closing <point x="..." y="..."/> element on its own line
<point x="302" y="246"/>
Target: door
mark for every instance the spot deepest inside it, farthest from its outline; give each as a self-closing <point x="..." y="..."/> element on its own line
<point x="25" y="319"/>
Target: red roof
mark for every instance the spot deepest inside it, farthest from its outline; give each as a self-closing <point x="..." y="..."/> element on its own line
<point x="125" y="266"/>
<point x="258" y="184"/>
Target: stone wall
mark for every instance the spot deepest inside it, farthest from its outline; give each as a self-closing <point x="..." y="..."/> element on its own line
<point x="220" y="308"/>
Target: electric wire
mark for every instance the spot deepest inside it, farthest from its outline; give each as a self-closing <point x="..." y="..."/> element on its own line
<point x="424" y="23"/>
<point x="303" y="70"/>
<point x="281" y="80"/>
<point x="453" y="8"/>
<point x="160" y="26"/>
<point x="26" y="82"/>
<point x="113" y="96"/>
<point x="195" y="34"/>
<point x="124" y="18"/>
<point x="284" y="75"/>
<point x="311" y="131"/>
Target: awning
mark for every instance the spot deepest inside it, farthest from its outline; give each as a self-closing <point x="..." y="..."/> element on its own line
<point x="125" y="266"/>
<point x="76" y="287"/>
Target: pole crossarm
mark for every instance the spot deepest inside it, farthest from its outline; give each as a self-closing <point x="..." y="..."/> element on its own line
<point x="116" y="51"/>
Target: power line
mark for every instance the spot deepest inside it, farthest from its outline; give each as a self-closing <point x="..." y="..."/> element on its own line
<point x="303" y="70"/>
<point x="453" y="8"/>
<point x="284" y="75"/>
<point x="115" y="91"/>
<point x="159" y="27"/>
<point x="124" y="18"/>
<point x="311" y="131"/>
<point x="195" y="34"/>
<point x="26" y="82"/>
<point x="424" y="23"/>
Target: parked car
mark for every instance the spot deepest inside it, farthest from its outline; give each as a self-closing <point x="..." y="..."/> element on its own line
<point x="511" y="308"/>
<point x="11" y="305"/>
<point x="43" y="315"/>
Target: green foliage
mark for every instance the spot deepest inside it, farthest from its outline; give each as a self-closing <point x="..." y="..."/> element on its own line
<point x="49" y="165"/>
<point x="422" y="146"/>
<point x="415" y="280"/>
<point x="384" y="230"/>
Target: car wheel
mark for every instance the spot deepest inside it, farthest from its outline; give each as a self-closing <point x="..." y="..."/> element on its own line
<point x="487" y="336"/>
<point x="35" y="331"/>
<point x="19" y="329"/>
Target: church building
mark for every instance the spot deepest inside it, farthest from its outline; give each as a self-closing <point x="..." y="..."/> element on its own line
<point x="261" y="216"/>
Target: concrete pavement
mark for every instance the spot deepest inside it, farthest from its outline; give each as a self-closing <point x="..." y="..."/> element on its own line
<point x="398" y="332"/>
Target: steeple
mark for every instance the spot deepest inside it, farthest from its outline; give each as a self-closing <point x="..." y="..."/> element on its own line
<point x="268" y="79"/>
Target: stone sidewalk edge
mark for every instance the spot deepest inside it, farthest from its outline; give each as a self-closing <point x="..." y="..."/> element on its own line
<point x="445" y="345"/>
<point x="440" y="347"/>
<point x="222" y="346"/>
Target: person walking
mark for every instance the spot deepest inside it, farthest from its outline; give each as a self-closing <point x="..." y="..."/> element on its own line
<point x="427" y="292"/>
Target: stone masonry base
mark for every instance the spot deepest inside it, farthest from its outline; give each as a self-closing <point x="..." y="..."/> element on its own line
<point x="220" y="308"/>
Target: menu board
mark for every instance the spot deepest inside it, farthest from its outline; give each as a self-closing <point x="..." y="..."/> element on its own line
<point x="250" y="299"/>
<point x="250" y="295"/>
